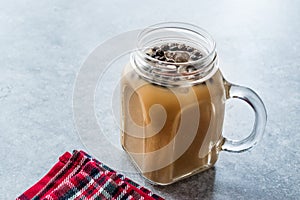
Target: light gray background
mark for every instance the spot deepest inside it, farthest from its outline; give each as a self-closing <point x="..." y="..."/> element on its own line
<point x="44" y="43"/>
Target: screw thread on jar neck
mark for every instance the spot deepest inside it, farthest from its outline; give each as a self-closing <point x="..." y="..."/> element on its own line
<point x="175" y="54"/>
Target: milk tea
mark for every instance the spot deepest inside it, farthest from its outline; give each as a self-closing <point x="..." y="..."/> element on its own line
<point x="171" y="132"/>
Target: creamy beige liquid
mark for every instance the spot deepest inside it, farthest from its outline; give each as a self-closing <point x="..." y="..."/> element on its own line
<point x="139" y="96"/>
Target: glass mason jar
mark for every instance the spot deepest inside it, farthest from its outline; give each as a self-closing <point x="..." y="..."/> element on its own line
<point x="173" y="103"/>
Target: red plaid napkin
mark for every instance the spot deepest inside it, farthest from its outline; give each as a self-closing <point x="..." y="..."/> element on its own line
<point x="79" y="176"/>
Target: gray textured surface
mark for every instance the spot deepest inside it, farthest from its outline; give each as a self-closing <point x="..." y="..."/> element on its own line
<point x="43" y="44"/>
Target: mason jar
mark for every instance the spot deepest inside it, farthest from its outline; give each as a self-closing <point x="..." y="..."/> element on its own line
<point x="173" y="103"/>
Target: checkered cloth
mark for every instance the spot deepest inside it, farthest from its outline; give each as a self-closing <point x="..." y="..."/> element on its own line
<point x="79" y="176"/>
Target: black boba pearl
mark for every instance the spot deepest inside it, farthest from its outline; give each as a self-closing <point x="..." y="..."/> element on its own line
<point x="191" y="68"/>
<point x="159" y="52"/>
<point x="189" y="49"/>
<point x="197" y="53"/>
<point x="194" y="57"/>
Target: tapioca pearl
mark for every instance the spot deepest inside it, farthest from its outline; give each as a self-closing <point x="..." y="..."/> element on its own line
<point x="193" y="57"/>
<point x="196" y="55"/>
<point x="159" y="52"/>
<point x="185" y="70"/>
<point x="190" y="68"/>
<point x="189" y="49"/>
<point x="182" y="47"/>
<point x="164" y="47"/>
<point x="181" y="57"/>
<point x="170" y="55"/>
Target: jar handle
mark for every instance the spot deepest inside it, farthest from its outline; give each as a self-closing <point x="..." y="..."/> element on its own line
<point x="252" y="99"/>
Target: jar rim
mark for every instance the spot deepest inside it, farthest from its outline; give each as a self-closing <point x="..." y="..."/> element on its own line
<point x="179" y="26"/>
<point x="175" y="73"/>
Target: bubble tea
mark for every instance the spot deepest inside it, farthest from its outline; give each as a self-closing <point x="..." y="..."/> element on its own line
<point x="173" y="102"/>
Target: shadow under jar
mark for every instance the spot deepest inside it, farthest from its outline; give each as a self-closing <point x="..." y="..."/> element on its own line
<point x="173" y="103"/>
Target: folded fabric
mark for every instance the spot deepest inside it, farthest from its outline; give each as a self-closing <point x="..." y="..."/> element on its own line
<point x="79" y="176"/>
